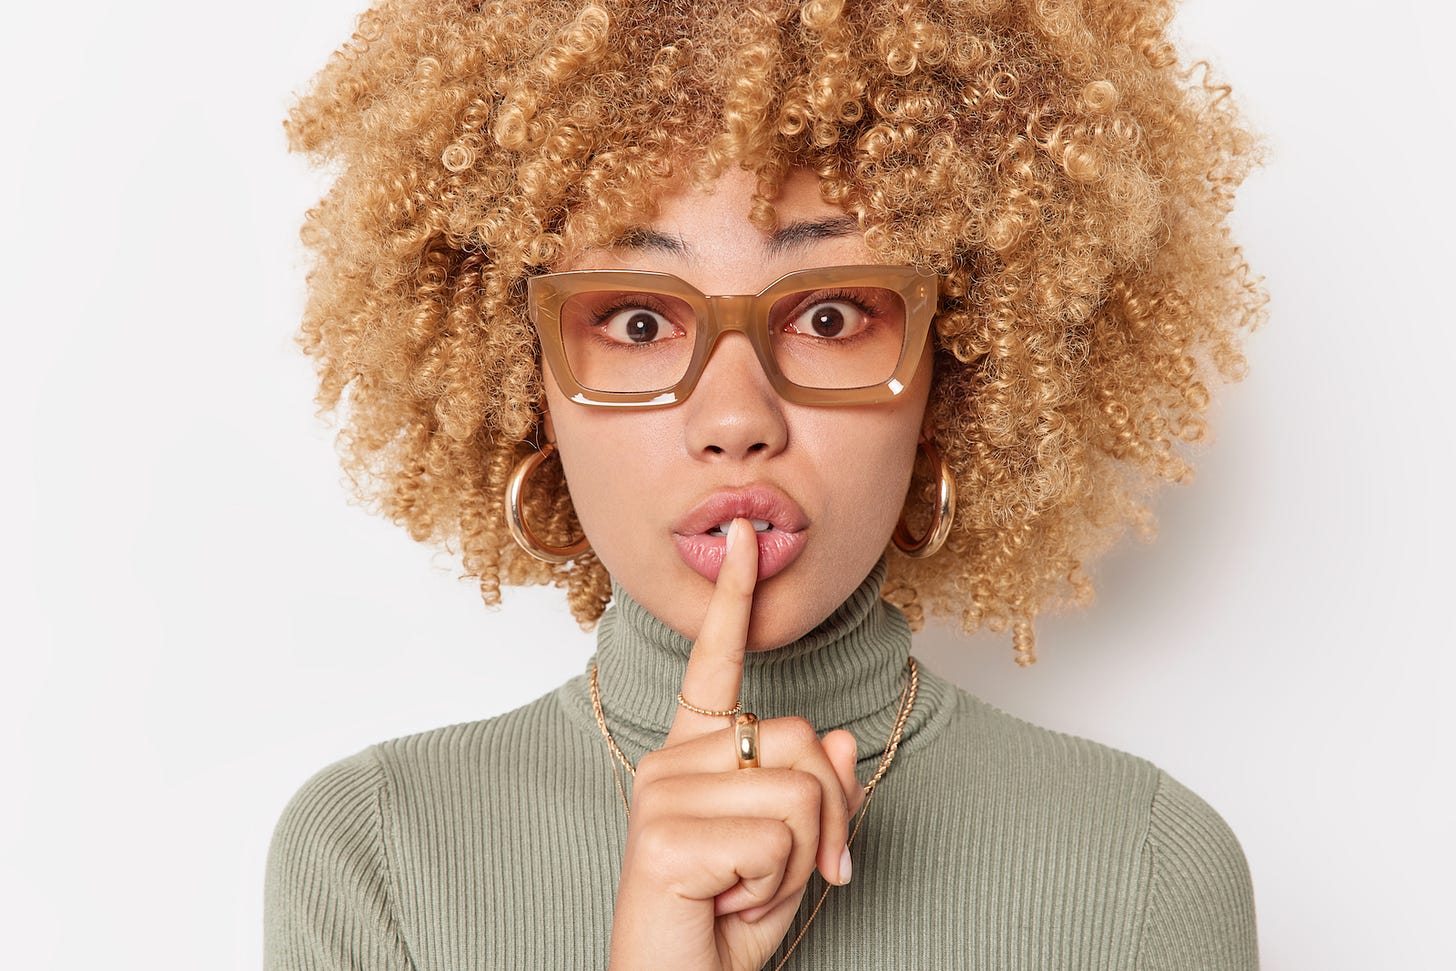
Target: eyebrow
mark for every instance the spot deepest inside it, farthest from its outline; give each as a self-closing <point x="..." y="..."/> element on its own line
<point x="799" y="233"/>
<point x="781" y="239"/>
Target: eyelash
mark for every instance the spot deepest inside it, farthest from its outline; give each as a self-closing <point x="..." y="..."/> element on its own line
<point x="645" y="301"/>
<point x="836" y="296"/>
<point x="642" y="301"/>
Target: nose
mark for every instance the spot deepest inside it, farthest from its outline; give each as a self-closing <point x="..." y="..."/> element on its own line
<point x="734" y="413"/>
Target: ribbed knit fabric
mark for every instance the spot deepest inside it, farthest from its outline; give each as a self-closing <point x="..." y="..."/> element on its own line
<point x="991" y="843"/>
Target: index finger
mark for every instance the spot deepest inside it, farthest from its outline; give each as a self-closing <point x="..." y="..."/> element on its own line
<point x="715" y="667"/>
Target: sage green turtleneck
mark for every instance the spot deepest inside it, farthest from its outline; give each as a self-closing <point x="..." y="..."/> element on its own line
<point x="991" y="843"/>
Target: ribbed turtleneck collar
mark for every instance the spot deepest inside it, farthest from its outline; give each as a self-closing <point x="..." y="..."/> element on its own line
<point x="847" y="673"/>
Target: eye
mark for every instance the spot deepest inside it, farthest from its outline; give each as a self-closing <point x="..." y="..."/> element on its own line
<point x="829" y="319"/>
<point x="639" y="325"/>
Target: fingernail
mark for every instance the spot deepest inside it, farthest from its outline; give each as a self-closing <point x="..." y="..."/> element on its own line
<point x="845" y="867"/>
<point x="732" y="532"/>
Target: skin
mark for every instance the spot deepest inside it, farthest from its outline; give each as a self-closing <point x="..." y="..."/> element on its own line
<point x="717" y="858"/>
<point x="847" y="467"/>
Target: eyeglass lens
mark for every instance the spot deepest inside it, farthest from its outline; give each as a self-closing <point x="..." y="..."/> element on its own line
<point x="832" y="338"/>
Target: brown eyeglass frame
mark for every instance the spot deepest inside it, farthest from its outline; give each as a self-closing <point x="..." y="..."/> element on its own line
<point x="748" y="314"/>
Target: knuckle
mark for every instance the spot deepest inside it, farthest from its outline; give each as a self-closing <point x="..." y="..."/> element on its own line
<point x="657" y="843"/>
<point x="804" y="788"/>
<point x="759" y="891"/>
<point x="650" y="768"/>
<point x="779" y="838"/>
<point x="798" y="730"/>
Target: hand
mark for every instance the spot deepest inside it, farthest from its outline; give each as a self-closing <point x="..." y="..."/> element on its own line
<point x="718" y="857"/>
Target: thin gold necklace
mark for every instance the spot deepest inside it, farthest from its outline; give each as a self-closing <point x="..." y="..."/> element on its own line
<point x="892" y="745"/>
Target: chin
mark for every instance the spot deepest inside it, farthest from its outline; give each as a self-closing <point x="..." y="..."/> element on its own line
<point x="785" y="607"/>
<point x="782" y="615"/>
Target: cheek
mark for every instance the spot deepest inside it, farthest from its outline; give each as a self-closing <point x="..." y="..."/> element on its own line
<point x="868" y="459"/>
<point x="612" y="460"/>
<point x="581" y="444"/>
<point x="865" y="473"/>
<point x="585" y="449"/>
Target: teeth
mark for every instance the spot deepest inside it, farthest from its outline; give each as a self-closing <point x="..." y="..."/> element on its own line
<point x="759" y="526"/>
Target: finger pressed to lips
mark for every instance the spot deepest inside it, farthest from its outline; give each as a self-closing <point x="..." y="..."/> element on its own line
<point x="714" y="676"/>
<point x="695" y="778"/>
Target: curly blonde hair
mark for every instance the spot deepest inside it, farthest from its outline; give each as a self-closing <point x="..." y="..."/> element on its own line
<point x="1051" y="159"/>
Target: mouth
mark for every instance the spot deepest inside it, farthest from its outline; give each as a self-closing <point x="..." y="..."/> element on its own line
<point x="759" y="526"/>
<point x="779" y="524"/>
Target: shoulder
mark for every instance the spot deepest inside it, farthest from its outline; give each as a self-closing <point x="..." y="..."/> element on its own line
<point x="1030" y="764"/>
<point x="1182" y="826"/>
<point x="361" y="804"/>
<point x="1175" y="818"/>
<point x="357" y="830"/>
<point x="380" y="778"/>
<point x="335" y="812"/>
<point x="328" y="900"/>
<point x="1199" y="909"/>
<point x="470" y="758"/>
<point x="1079" y="771"/>
<point x="1193" y="898"/>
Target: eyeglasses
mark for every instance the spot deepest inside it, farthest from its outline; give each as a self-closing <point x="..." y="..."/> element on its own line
<point x="842" y="335"/>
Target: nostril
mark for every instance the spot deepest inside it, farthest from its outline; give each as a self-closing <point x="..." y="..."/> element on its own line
<point x="754" y="449"/>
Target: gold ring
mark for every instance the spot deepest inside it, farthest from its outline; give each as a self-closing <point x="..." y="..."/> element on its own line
<point x="710" y="712"/>
<point x="745" y="740"/>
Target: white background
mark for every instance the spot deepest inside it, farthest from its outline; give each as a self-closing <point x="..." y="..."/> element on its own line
<point x="195" y="620"/>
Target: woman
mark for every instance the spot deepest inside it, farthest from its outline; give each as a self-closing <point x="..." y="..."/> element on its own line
<point x="830" y="313"/>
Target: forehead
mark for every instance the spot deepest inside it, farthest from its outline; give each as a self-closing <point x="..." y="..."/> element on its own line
<point x="706" y="233"/>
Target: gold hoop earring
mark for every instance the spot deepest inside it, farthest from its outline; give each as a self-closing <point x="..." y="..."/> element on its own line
<point x="935" y="535"/>
<point x="516" y="518"/>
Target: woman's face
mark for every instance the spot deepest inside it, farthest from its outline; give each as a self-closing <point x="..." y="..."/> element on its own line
<point x="649" y="485"/>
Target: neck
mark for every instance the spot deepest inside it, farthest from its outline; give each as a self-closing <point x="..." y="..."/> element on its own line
<point x="848" y="672"/>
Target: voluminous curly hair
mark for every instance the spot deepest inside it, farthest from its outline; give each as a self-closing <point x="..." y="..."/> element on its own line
<point x="1051" y="159"/>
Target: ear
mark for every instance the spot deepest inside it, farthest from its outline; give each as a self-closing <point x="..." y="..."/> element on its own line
<point x="927" y="421"/>
<point x="546" y="425"/>
<point x="927" y="426"/>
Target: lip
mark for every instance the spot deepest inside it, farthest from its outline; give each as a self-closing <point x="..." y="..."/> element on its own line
<point x="777" y="547"/>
